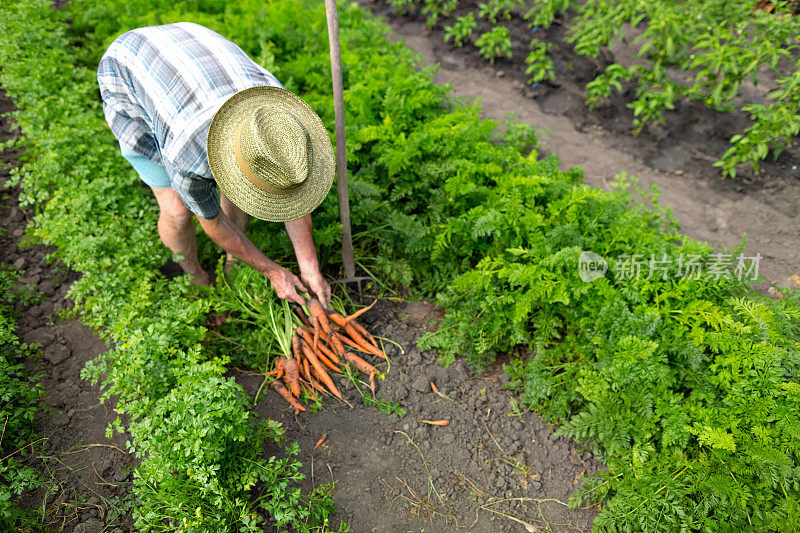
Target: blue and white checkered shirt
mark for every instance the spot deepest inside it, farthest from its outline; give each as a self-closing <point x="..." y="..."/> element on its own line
<point x="161" y="86"/>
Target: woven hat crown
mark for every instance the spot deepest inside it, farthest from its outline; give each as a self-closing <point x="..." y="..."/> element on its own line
<point x="273" y="150"/>
<point x="270" y="154"/>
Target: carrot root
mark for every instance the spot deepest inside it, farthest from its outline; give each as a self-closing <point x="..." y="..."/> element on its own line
<point x="284" y="392"/>
<point x="360" y="311"/>
<point x="320" y="441"/>
<point x="360" y="364"/>
<point x="292" y="376"/>
<point x="436" y="422"/>
<point x="321" y="374"/>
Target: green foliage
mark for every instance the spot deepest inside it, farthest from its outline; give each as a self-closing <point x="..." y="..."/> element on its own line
<point x="718" y="46"/>
<point x="491" y="9"/>
<point x="543" y="13"/>
<point x="205" y="449"/>
<point x="494" y="43"/>
<point x="401" y="7"/>
<point x="432" y="9"/>
<point x="461" y="30"/>
<point x="20" y="398"/>
<point x="685" y="386"/>
<point x="703" y="50"/>
<point x="540" y="66"/>
<point x="202" y="466"/>
<point x="600" y="87"/>
<point x="774" y="127"/>
<point x="383" y="405"/>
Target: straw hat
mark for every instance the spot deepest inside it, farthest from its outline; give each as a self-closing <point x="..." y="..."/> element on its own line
<point x="270" y="154"/>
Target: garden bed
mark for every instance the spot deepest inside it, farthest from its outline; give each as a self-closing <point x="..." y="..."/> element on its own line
<point x="495" y="467"/>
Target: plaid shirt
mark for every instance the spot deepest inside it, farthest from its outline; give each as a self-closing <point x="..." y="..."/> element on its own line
<point x="161" y="86"/>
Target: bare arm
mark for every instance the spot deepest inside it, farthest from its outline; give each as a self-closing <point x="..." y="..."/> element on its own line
<point x="300" y="232"/>
<point x="231" y="239"/>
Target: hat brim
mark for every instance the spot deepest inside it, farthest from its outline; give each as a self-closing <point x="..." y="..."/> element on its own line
<point x="240" y="190"/>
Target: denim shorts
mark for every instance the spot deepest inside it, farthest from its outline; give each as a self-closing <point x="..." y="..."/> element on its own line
<point x="151" y="173"/>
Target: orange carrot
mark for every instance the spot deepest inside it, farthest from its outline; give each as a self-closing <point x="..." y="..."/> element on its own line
<point x="371" y="346"/>
<point x="278" y="371"/>
<point x="360" y="311"/>
<point x="302" y="316"/>
<point x="337" y="319"/>
<point x="318" y="313"/>
<point x="296" y="346"/>
<point x="435" y="422"/>
<point x="283" y="391"/>
<point x="336" y="348"/>
<point x="322" y="377"/>
<point x="292" y="376"/>
<point x="325" y="361"/>
<point x="320" y="441"/>
<point x="360" y="364"/>
<point x="303" y="368"/>
<point x="352" y="344"/>
<point x="364" y="333"/>
<point x="316" y="384"/>
<point x="321" y="374"/>
<point x="327" y="352"/>
<point x="320" y="347"/>
<point x="336" y="343"/>
<point x="356" y="336"/>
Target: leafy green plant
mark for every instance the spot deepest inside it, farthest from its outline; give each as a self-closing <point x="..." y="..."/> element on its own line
<point x="543" y="13"/>
<point x="432" y="9"/>
<point x="774" y="127"/>
<point x="383" y="405"/>
<point x="719" y="46"/>
<point x="401" y="7"/>
<point x="494" y="43"/>
<point x="491" y="9"/>
<point x="202" y="462"/>
<point x="461" y="30"/>
<point x="686" y="387"/>
<point x="540" y="66"/>
<point x="20" y="399"/>
<point x="600" y="87"/>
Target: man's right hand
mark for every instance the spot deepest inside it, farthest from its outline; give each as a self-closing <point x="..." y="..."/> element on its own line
<point x="287" y="284"/>
<point x="231" y="239"/>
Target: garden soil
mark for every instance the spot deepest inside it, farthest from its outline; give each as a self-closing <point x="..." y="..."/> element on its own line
<point x="494" y="467"/>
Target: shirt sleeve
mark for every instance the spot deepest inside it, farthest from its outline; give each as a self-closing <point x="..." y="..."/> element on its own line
<point x="124" y="116"/>
<point x="197" y="192"/>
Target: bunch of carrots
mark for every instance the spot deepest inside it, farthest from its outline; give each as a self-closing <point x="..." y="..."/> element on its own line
<point x="317" y="349"/>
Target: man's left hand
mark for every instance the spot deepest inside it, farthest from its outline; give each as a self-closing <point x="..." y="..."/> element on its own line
<point x="319" y="286"/>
